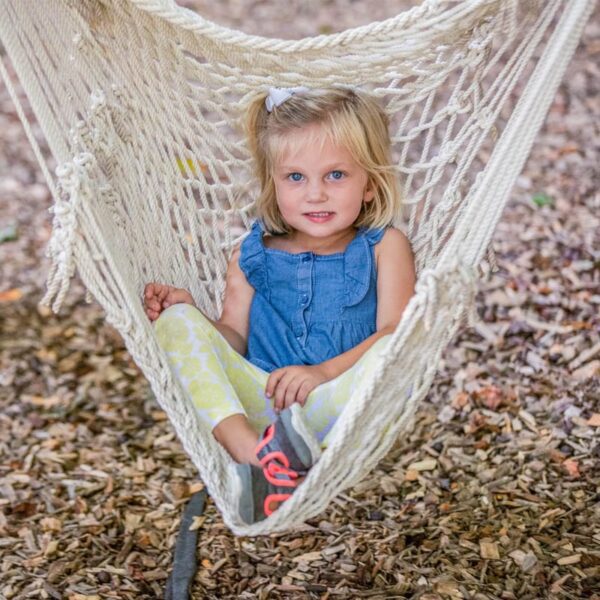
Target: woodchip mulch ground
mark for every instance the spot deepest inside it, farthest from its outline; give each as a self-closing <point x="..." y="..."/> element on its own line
<point x="494" y="494"/>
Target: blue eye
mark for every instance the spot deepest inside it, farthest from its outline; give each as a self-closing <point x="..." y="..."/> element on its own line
<point x="337" y="175"/>
<point x="295" y="176"/>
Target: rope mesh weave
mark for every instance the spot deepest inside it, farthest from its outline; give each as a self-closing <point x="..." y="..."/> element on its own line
<point x="141" y="102"/>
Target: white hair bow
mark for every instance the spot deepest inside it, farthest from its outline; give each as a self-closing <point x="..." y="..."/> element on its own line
<point x="278" y="96"/>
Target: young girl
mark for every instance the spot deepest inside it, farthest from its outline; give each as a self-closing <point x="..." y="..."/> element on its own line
<point x="312" y="293"/>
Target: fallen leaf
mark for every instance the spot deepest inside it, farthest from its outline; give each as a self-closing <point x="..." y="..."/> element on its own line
<point x="490" y="396"/>
<point x="594" y="420"/>
<point x="11" y="295"/>
<point x="542" y="200"/>
<point x="571" y="466"/>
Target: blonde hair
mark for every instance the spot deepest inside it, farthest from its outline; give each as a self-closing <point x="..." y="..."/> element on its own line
<point x="349" y="118"/>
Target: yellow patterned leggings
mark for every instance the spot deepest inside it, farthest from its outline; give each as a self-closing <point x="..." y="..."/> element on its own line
<point x="220" y="382"/>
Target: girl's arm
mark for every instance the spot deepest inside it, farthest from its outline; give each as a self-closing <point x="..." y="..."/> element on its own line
<point x="395" y="286"/>
<point x="234" y="321"/>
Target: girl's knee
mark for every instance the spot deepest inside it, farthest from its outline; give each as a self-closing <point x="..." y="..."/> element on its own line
<point x="181" y="322"/>
<point x="372" y="355"/>
<point x="181" y="313"/>
<point x="381" y="343"/>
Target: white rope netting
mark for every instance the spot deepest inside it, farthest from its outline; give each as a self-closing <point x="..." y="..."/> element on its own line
<point x="141" y="103"/>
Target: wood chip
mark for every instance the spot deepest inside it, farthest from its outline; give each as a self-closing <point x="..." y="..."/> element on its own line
<point x="491" y="492"/>
<point x="489" y="550"/>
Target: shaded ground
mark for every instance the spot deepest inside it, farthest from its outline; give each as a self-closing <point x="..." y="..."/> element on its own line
<point x="495" y="493"/>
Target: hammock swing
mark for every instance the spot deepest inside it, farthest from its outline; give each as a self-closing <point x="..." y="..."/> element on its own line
<point x="140" y="102"/>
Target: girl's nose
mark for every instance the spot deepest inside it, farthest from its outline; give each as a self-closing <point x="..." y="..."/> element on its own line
<point x="316" y="192"/>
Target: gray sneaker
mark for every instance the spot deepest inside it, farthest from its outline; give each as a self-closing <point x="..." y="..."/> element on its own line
<point x="289" y="442"/>
<point x="261" y="491"/>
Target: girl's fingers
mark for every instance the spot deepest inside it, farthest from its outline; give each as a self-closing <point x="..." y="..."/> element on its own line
<point x="149" y="291"/>
<point x="168" y="299"/>
<point x="160" y="296"/>
<point x="280" y="390"/>
<point x="303" y="392"/>
<point x="291" y="392"/>
<point x="153" y="304"/>
<point x="163" y="293"/>
<point x="174" y="297"/>
<point x="272" y="382"/>
<point x="154" y="294"/>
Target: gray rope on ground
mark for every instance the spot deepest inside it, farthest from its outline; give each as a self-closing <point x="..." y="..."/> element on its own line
<point x="184" y="557"/>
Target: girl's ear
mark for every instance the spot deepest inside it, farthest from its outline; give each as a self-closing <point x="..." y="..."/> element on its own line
<point x="369" y="192"/>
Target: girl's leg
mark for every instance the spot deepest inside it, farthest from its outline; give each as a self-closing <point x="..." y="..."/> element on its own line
<point x="215" y="376"/>
<point x="236" y="435"/>
<point x="326" y="402"/>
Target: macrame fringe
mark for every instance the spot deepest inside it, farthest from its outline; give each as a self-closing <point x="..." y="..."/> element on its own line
<point x="73" y="190"/>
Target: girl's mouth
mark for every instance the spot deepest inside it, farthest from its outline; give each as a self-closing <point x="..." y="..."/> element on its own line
<point x="319" y="217"/>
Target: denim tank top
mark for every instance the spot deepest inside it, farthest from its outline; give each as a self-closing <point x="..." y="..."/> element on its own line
<point x="307" y="307"/>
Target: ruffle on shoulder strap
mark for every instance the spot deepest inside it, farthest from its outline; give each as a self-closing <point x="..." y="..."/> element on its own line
<point x="358" y="264"/>
<point x="252" y="258"/>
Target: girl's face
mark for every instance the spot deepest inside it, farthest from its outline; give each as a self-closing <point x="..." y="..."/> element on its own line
<point x="320" y="190"/>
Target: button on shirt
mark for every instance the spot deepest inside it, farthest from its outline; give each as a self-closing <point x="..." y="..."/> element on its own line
<point x="308" y="308"/>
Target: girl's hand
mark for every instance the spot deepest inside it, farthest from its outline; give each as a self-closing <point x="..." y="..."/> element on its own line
<point x="158" y="297"/>
<point x="293" y="384"/>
